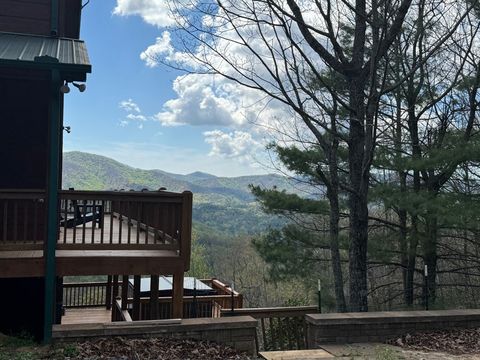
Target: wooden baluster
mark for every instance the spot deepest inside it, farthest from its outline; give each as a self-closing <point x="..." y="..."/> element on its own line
<point x="102" y="221"/>
<point x="111" y="224"/>
<point x="5" y="220"/>
<point x="65" y="219"/>
<point x="94" y="221"/>
<point x="120" y="223"/>
<point x="129" y="222"/>
<point x="138" y="222"/>
<point x="15" y="220"/>
<point x="83" y="220"/>
<point x="35" y="221"/>
<point x="264" y="334"/>
<point x="25" y="222"/>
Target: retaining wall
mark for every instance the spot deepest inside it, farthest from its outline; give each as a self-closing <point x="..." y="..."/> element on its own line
<point x="237" y="332"/>
<point x="380" y="326"/>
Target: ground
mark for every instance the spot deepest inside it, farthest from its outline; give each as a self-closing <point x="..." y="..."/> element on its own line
<point x="439" y="345"/>
<point x="117" y="349"/>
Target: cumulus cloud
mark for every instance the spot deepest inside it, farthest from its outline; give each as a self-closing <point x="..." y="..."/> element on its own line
<point x="153" y="12"/>
<point x="129" y="106"/>
<point x="237" y="144"/>
<point x="161" y="47"/>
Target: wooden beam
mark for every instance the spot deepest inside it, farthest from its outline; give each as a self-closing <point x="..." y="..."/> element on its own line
<point x="154" y="297"/>
<point x="114" y="288"/>
<point x="124" y="292"/>
<point x="177" y="298"/>
<point x="136" y="297"/>
<point x="108" y="293"/>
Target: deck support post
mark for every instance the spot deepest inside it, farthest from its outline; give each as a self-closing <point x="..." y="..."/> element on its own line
<point x="177" y="298"/>
<point x="154" y="297"/>
<point x="136" y="297"/>
<point x="124" y="292"/>
<point x="108" y="293"/>
<point x="52" y="204"/>
<point x="114" y="288"/>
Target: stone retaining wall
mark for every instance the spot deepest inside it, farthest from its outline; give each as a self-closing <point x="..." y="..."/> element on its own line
<point x="237" y="332"/>
<point x="379" y="326"/>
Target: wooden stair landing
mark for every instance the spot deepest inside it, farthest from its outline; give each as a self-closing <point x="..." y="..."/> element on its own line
<point x="87" y="316"/>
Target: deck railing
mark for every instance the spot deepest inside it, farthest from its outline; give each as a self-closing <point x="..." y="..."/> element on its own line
<point x="124" y="220"/>
<point x="22" y="218"/>
<point x="112" y="220"/>
<point x="87" y="294"/>
<point x="193" y="307"/>
<point x="279" y="328"/>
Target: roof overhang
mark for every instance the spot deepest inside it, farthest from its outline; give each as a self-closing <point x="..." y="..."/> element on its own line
<point x="69" y="56"/>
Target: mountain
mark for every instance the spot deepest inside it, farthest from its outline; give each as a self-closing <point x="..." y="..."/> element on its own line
<point x="223" y="204"/>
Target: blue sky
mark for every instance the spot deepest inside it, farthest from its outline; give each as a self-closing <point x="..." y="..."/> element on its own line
<point x="116" y="115"/>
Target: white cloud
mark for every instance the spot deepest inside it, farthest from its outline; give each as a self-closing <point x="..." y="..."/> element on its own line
<point x="129" y="106"/>
<point x="162" y="46"/>
<point x="237" y="144"/>
<point x="137" y="117"/>
<point x="153" y="12"/>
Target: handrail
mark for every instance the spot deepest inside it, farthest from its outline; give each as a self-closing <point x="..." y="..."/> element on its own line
<point x="118" y="314"/>
<point x="122" y="195"/>
<point x="269" y="312"/>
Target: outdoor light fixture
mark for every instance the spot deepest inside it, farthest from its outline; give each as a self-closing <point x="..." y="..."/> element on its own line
<point x="80" y="87"/>
<point x="64" y="89"/>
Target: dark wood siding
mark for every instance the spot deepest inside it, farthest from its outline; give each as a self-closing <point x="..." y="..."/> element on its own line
<point x="34" y="16"/>
<point x="25" y="16"/>
<point x="24" y="108"/>
<point x="69" y="18"/>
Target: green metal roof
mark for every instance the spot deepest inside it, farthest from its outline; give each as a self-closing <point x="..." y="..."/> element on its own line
<point x="43" y="52"/>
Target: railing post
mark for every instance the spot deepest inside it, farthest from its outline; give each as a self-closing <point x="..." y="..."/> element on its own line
<point x="154" y="297"/>
<point x="108" y="293"/>
<point x="124" y="292"/>
<point x="52" y="203"/>
<point x="177" y="296"/>
<point x="136" y="297"/>
<point x="186" y="234"/>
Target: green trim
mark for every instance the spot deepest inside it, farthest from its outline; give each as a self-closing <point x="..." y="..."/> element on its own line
<point x="52" y="205"/>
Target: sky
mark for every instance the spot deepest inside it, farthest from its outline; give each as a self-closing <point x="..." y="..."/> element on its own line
<point x="148" y="115"/>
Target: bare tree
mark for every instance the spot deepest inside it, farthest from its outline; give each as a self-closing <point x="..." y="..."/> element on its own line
<point x="279" y="47"/>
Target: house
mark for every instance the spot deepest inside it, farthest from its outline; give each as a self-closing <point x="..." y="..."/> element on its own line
<point x="47" y="233"/>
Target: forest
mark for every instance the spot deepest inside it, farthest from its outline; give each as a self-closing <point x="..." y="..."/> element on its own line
<point x="383" y="125"/>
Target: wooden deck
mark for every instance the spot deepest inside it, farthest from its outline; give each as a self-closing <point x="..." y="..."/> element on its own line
<point x="116" y="230"/>
<point x="133" y="233"/>
<point x="87" y="316"/>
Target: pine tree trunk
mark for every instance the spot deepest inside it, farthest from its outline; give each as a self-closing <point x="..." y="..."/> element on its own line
<point x="412" y="258"/>
<point x="358" y="202"/>
<point x="335" y="253"/>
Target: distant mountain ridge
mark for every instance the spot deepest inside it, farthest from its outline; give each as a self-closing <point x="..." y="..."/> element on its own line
<point x="220" y="203"/>
<point x="84" y="171"/>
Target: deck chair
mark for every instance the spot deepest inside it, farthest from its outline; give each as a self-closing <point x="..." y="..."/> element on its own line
<point x="82" y="217"/>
